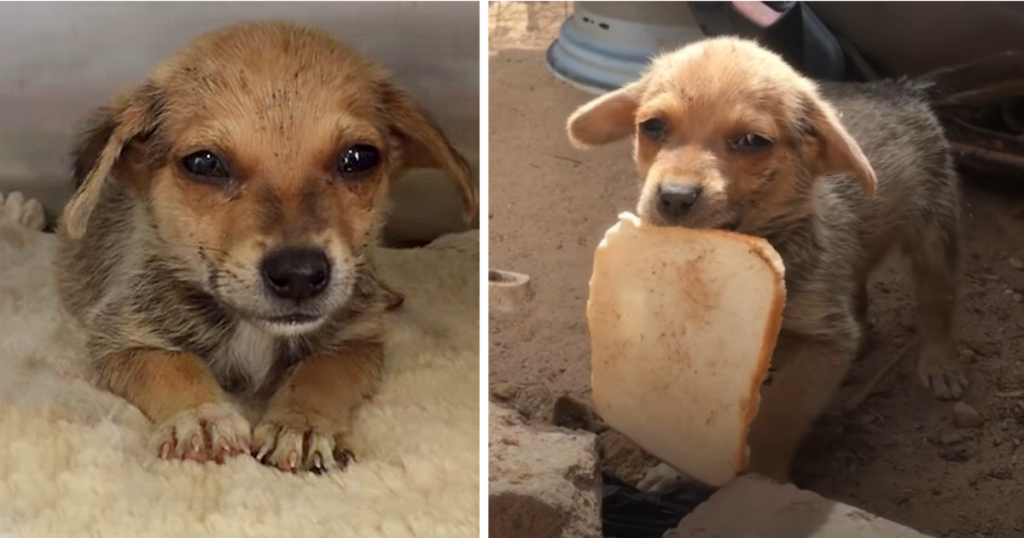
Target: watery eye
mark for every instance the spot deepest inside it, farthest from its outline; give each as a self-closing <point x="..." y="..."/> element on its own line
<point x="750" y="141"/>
<point x="653" y="128"/>
<point x="205" y="164"/>
<point x="357" y="160"/>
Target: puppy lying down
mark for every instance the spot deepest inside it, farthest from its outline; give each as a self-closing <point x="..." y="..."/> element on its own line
<point x="220" y="241"/>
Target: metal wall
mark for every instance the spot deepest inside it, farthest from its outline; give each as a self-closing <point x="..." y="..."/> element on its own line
<point x="59" y="61"/>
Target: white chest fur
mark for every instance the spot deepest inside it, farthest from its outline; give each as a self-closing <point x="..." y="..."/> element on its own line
<point x="250" y="353"/>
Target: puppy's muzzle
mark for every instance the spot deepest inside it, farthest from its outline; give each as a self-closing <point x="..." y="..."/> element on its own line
<point x="297" y="274"/>
<point x="676" y="199"/>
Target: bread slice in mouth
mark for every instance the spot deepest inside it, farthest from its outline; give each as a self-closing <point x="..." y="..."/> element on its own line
<point x="683" y="323"/>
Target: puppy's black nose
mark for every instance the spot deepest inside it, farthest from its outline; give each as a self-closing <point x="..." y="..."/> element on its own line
<point x="675" y="199"/>
<point x="296" y="273"/>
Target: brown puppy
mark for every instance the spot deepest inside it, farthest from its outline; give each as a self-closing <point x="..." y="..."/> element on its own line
<point x="221" y="240"/>
<point x="727" y="135"/>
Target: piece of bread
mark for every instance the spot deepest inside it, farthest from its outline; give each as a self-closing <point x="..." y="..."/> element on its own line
<point x="683" y="323"/>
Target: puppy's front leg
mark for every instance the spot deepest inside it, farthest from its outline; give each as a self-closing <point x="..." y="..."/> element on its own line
<point x="194" y="418"/>
<point x="309" y="418"/>
<point x="812" y="369"/>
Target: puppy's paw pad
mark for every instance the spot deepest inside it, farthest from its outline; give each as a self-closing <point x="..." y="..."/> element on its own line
<point x="660" y="478"/>
<point x="215" y="431"/>
<point x="14" y="208"/>
<point x="942" y="376"/>
<point x="294" y="447"/>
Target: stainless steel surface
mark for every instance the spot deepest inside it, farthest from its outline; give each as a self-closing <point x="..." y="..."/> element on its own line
<point x="61" y="60"/>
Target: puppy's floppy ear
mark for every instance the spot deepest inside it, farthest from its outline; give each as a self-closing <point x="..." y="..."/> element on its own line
<point x="838" y="152"/>
<point x="132" y="116"/>
<point x="606" y="119"/>
<point x="425" y="146"/>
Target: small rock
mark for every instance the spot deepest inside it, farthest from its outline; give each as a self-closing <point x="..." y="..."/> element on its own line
<point x="1016" y="262"/>
<point x="951" y="437"/>
<point x="1017" y="297"/>
<point x="965" y="416"/>
<point x="1000" y="473"/>
<point x="955" y="454"/>
<point x="984" y="349"/>
<point x="504" y="391"/>
<point x="525" y="410"/>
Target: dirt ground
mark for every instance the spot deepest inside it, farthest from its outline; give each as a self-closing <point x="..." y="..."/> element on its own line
<point x="897" y="455"/>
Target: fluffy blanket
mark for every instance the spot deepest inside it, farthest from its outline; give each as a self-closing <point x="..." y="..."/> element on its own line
<point x="74" y="460"/>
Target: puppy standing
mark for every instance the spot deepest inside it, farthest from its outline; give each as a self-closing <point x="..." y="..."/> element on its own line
<point x="222" y="234"/>
<point x="727" y="135"/>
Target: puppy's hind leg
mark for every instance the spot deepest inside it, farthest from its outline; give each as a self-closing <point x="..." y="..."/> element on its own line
<point x="934" y="251"/>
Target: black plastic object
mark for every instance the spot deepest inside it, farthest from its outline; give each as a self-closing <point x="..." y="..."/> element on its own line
<point x="798" y="36"/>
<point x="627" y="512"/>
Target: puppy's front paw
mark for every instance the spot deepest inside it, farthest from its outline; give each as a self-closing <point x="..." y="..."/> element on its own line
<point x="16" y="209"/>
<point x="294" y="442"/>
<point x="213" y="431"/>
<point x="660" y="478"/>
<point x="938" y="370"/>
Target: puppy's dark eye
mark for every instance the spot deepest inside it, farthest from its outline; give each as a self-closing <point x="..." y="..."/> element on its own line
<point x="357" y="160"/>
<point x="205" y="164"/>
<point x="750" y="142"/>
<point x="654" y="128"/>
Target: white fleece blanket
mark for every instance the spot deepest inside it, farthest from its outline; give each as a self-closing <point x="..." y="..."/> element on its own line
<point x="74" y="460"/>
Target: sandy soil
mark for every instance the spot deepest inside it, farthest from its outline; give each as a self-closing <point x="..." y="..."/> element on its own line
<point x="897" y="455"/>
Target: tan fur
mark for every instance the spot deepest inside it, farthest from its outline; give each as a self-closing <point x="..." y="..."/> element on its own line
<point x="163" y="268"/>
<point x="851" y="171"/>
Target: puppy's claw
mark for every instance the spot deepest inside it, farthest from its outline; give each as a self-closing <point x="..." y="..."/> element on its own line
<point x="343" y="457"/>
<point x="196" y="451"/>
<point x="942" y="376"/>
<point x="318" y="464"/>
<point x="261" y="454"/>
<point x="200" y="434"/>
<point x="946" y="387"/>
<point x="299" y="448"/>
<point x="291" y="463"/>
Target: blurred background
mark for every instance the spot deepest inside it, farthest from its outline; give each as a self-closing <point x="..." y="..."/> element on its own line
<point x="62" y="60"/>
